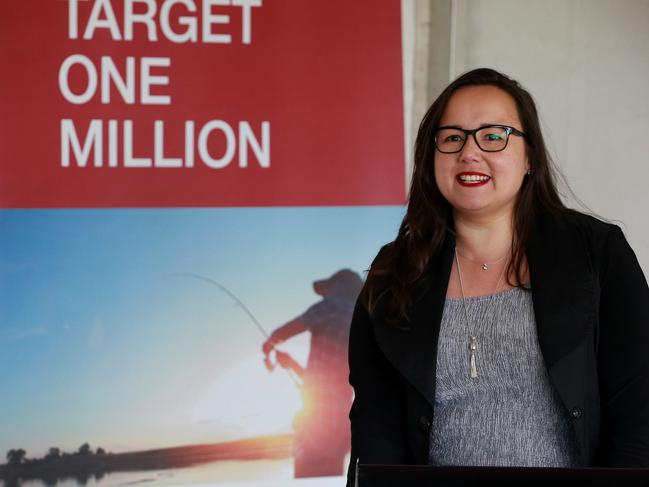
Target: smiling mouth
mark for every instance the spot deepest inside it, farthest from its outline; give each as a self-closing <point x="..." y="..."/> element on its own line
<point x="472" y="179"/>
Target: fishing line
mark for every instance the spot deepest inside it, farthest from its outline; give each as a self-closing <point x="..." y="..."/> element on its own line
<point x="239" y="303"/>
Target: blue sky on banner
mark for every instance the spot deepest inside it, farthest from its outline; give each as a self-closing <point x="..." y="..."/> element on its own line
<point x="99" y="342"/>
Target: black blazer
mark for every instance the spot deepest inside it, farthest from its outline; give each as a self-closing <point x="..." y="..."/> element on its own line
<point x="591" y="306"/>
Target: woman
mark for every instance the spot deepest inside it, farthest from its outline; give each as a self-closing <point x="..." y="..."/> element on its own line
<point x="499" y="328"/>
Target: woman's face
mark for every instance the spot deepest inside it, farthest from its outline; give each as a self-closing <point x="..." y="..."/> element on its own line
<point x="471" y="107"/>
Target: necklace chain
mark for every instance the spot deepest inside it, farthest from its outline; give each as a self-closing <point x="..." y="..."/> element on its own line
<point x="485" y="265"/>
<point x="473" y="344"/>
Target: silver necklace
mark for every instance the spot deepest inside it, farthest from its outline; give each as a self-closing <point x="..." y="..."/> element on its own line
<point x="484" y="265"/>
<point x="473" y="340"/>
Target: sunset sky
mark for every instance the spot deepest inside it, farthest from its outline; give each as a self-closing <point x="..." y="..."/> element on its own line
<point x="100" y="342"/>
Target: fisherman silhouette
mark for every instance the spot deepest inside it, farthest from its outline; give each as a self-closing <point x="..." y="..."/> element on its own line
<point x="322" y="434"/>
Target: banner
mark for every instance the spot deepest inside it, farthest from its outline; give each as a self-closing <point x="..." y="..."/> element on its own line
<point x="191" y="192"/>
<point x="200" y="103"/>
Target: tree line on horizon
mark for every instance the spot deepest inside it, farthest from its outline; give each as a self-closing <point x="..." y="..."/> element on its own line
<point x="18" y="456"/>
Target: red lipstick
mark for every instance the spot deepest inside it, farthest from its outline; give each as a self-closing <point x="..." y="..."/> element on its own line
<point x="471" y="179"/>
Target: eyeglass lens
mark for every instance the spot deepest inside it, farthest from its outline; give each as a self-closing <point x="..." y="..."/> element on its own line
<point x="489" y="139"/>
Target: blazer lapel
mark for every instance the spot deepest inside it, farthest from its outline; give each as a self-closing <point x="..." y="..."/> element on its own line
<point x="562" y="286"/>
<point x="412" y="349"/>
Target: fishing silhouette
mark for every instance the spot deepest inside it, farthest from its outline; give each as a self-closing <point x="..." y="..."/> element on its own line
<point x="322" y="434"/>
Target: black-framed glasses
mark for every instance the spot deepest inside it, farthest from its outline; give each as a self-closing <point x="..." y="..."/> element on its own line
<point x="489" y="138"/>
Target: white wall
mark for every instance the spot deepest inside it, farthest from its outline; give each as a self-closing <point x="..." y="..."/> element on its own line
<point x="586" y="62"/>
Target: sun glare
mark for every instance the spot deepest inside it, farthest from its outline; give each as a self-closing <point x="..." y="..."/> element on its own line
<point x="246" y="400"/>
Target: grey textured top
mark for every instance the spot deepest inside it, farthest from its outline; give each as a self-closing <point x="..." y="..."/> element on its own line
<point x="509" y="415"/>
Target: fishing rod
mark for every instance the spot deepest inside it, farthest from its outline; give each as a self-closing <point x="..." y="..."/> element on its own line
<point x="242" y="305"/>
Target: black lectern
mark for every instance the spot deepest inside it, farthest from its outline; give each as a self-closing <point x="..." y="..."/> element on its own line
<point x="426" y="476"/>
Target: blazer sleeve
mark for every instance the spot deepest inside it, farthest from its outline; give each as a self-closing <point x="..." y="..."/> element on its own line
<point x="377" y="415"/>
<point x="623" y="356"/>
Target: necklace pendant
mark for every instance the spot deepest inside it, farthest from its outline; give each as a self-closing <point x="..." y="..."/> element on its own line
<point x="473" y="369"/>
<point x="485" y="267"/>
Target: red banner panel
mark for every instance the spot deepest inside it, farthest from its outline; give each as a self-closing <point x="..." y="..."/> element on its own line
<point x="144" y="103"/>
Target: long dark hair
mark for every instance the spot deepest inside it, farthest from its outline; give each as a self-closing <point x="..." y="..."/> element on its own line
<point x="429" y="216"/>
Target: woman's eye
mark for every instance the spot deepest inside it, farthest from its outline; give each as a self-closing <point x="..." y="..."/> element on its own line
<point x="492" y="136"/>
<point x="453" y="138"/>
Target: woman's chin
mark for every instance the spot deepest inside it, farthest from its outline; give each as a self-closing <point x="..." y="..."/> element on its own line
<point x="470" y="206"/>
<point x="481" y="209"/>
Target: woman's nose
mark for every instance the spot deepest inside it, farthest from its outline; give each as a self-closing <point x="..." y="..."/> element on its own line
<point x="470" y="152"/>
